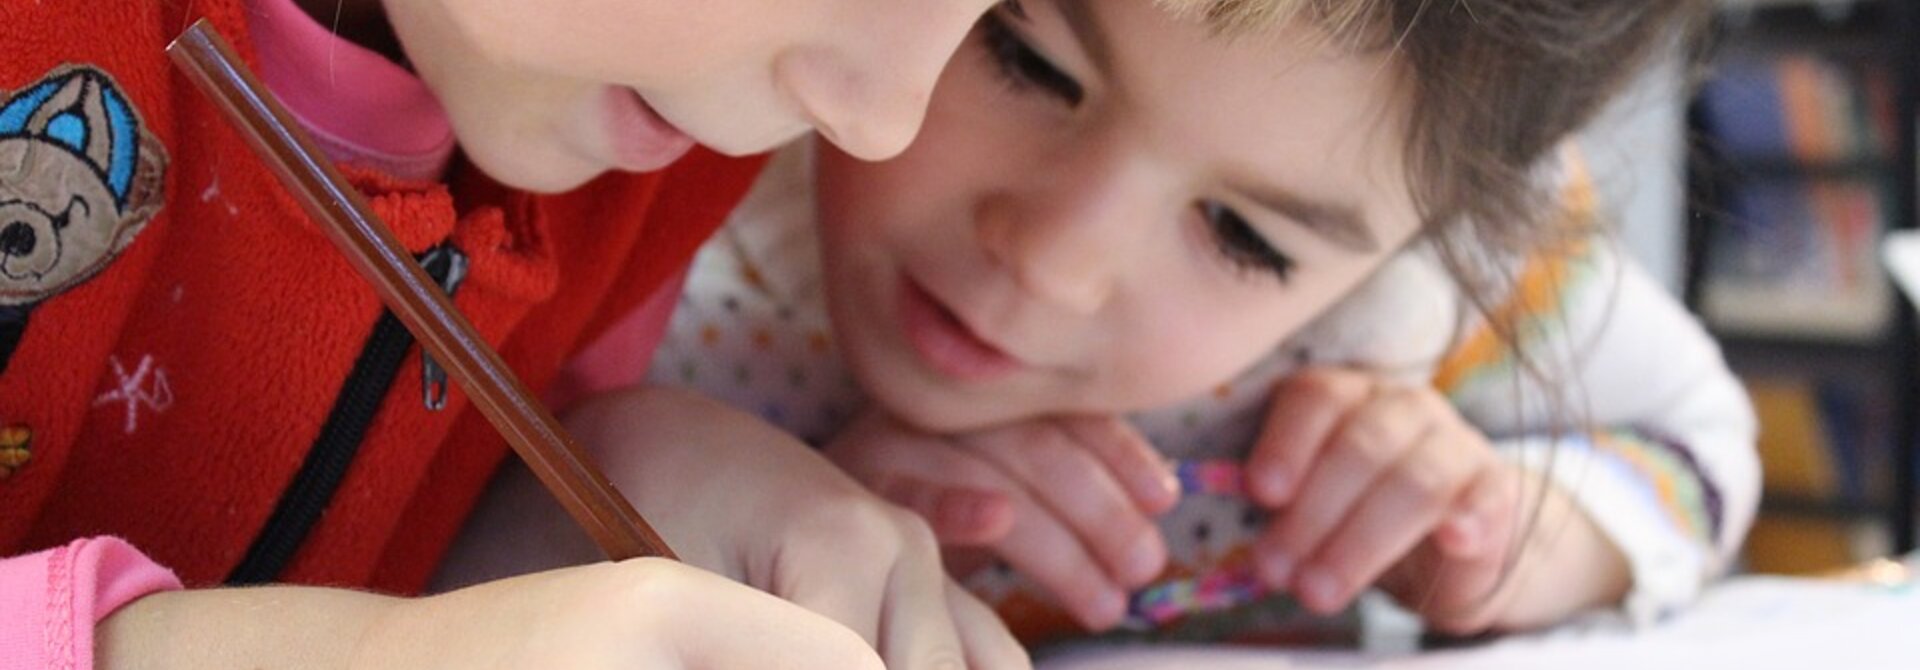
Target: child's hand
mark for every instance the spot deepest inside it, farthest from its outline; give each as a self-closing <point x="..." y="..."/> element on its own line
<point x="737" y="496"/>
<point x="1564" y="565"/>
<point x="1067" y="502"/>
<point x="1361" y="471"/>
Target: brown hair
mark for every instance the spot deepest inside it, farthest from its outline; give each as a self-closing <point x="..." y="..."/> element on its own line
<point x="1495" y="87"/>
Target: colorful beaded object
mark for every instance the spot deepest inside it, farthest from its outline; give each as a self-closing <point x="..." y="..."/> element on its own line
<point x="1213" y="591"/>
<point x="1220" y="589"/>
<point x="1211" y="477"/>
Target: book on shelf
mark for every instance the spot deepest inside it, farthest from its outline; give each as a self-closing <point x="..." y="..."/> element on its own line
<point x="1820" y="439"/>
<point x="1797" y="258"/>
<point x="1823" y="466"/>
<point x="1800" y="107"/>
<point x="1794" y="252"/>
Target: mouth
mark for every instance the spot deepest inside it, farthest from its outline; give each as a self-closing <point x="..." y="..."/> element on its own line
<point x="947" y="344"/>
<point x="641" y="139"/>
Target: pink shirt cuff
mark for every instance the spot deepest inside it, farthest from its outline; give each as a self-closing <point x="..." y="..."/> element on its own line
<point x="51" y="600"/>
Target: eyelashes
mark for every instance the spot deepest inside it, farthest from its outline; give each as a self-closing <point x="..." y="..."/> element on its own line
<point x="1243" y="246"/>
<point x="1023" y="67"/>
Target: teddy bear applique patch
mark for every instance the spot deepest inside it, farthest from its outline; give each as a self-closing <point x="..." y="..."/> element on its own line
<point x="80" y="176"/>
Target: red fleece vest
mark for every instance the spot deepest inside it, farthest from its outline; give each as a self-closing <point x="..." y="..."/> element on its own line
<point x="183" y="330"/>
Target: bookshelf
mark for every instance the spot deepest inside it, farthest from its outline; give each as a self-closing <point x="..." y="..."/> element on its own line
<point x="1802" y="157"/>
<point x="1905" y="341"/>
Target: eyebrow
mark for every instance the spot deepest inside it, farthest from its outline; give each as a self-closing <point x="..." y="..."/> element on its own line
<point x="1338" y="223"/>
<point x="1092" y="37"/>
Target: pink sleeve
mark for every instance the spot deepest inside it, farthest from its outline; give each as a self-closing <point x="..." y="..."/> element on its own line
<point x="620" y="357"/>
<point x="51" y="600"/>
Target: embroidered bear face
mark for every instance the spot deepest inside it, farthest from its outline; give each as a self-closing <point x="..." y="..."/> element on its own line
<point x="79" y="177"/>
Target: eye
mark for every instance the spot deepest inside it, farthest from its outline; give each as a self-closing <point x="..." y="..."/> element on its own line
<point x="1020" y="64"/>
<point x="65" y="217"/>
<point x="1242" y="245"/>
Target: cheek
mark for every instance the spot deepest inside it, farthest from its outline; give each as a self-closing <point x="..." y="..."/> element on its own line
<point x="1192" y="341"/>
<point x="852" y="200"/>
<point x="927" y="192"/>
<point x="638" y="42"/>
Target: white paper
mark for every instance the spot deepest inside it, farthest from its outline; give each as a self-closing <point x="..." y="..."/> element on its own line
<point x="1901" y="253"/>
<point x="1748" y="623"/>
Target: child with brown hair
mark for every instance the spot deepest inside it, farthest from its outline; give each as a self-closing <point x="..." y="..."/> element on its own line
<point x="1329" y="254"/>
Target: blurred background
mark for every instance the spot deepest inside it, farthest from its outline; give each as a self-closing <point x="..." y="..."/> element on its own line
<point x="1759" y="189"/>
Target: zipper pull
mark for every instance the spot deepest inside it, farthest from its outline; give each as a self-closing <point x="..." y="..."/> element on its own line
<point x="448" y="267"/>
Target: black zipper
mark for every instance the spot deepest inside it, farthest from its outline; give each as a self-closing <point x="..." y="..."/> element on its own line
<point x="307" y="496"/>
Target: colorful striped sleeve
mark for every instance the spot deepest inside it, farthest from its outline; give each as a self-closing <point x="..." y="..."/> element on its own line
<point x="1618" y="395"/>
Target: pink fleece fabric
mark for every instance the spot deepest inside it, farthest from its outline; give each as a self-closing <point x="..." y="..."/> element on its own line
<point x="619" y="359"/>
<point x="360" y="107"/>
<point x="51" y="600"/>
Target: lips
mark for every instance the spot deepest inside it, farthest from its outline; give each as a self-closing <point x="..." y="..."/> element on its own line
<point x="642" y="140"/>
<point x="945" y="343"/>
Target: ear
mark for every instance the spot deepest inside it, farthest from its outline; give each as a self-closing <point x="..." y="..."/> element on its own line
<point x="145" y="193"/>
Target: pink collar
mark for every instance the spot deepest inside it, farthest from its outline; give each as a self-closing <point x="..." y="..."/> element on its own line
<point x="360" y="107"/>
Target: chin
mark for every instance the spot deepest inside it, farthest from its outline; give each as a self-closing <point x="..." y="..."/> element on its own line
<point x="555" y="175"/>
<point x="538" y="164"/>
<point x="934" y="419"/>
<point x="932" y="411"/>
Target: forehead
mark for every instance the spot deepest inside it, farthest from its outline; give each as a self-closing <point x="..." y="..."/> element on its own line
<point x="1281" y="104"/>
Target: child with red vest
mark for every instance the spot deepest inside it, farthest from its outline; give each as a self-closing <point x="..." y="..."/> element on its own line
<point x="191" y="377"/>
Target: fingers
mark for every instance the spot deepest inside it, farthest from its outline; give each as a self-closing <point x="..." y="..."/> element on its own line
<point x="1305" y="410"/>
<point x="1047" y="496"/>
<point x="961" y="496"/>
<point x="989" y="645"/>
<point x="1402" y="507"/>
<point x="919" y="631"/>
<point x="960" y="516"/>
<point x="1456" y="579"/>
<point x="1070" y="484"/>
<point x="1486" y="517"/>
<point x="841" y="565"/>
<point x="1363" y="447"/>
<point x="1474" y="573"/>
<point x="1045" y="551"/>
<point x="1133" y="461"/>
<point x="876" y="568"/>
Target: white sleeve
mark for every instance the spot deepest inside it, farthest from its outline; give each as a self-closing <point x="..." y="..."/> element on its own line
<point x="1642" y="424"/>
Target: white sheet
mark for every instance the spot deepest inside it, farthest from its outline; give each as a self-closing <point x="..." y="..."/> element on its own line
<point x="1748" y="623"/>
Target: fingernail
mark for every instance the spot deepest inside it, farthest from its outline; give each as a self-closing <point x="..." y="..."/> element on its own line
<point x="1144" y="559"/>
<point x="1318" y="589"/>
<point x="962" y="513"/>
<point x="1106" y="610"/>
<point x="1276" y="568"/>
<point x="1469" y="533"/>
<point x="1166" y="484"/>
<point x="1275" y="486"/>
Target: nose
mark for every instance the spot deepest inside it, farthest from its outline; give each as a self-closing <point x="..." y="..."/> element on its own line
<point x="1068" y="245"/>
<point x="868" y="94"/>
<point x="18" y="239"/>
